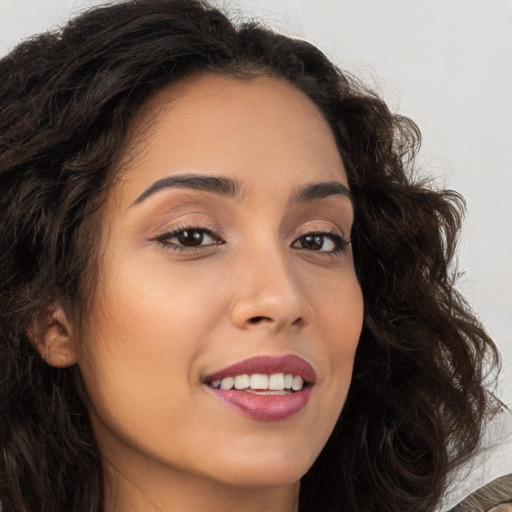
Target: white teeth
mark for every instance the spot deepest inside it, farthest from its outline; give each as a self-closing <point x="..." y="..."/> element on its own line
<point x="261" y="382"/>
<point x="276" y="382"/>
<point x="297" y="383"/>
<point x="227" y="383"/>
<point x="242" y="381"/>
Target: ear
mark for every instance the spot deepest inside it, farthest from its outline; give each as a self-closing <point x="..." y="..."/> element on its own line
<point x="53" y="338"/>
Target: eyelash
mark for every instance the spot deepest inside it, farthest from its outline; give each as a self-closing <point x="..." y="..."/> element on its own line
<point x="164" y="238"/>
<point x="340" y="242"/>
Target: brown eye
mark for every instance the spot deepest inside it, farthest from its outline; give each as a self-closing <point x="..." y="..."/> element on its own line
<point x="191" y="237"/>
<point x="312" y="242"/>
<point x="321" y="242"/>
<point x="188" y="239"/>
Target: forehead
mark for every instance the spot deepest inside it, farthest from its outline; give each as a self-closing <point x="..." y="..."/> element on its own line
<point x="249" y="129"/>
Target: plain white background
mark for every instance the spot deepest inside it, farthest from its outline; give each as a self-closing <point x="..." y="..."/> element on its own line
<point x="445" y="63"/>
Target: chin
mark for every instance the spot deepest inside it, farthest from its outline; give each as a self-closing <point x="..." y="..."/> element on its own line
<point x="274" y="470"/>
<point x="255" y="478"/>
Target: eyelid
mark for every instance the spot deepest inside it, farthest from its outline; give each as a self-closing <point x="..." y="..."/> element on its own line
<point x="340" y="240"/>
<point x="327" y="229"/>
<point x="169" y="233"/>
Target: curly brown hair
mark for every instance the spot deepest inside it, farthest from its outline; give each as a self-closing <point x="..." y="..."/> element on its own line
<point x="418" y="400"/>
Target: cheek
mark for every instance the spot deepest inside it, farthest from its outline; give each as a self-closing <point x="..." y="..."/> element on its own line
<point x="340" y="318"/>
<point x="152" y="305"/>
<point x="164" y="296"/>
<point x="339" y="308"/>
<point x="150" y="323"/>
<point x="131" y="366"/>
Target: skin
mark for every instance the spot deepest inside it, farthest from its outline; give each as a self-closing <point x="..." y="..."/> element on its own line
<point x="163" y="319"/>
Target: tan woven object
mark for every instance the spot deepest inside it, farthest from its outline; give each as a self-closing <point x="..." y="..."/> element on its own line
<point x="484" y="499"/>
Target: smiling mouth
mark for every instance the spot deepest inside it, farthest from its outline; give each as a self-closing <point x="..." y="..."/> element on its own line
<point x="264" y="388"/>
<point x="261" y="384"/>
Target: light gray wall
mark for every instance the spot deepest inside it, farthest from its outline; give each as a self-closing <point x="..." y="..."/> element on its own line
<point x="447" y="64"/>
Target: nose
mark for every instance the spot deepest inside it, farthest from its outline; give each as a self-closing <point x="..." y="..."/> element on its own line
<point x="268" y="294"/>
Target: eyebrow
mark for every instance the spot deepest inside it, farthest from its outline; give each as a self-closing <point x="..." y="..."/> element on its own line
<point x="317" y="191"/>
<point x="215" y="184"/>
<point x="230" y="188"/>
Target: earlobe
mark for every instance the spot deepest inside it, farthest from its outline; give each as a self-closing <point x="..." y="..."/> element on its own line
<point x="53" y="338"/>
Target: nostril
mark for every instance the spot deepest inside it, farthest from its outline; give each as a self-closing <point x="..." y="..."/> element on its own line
<point x="257" y="319"/>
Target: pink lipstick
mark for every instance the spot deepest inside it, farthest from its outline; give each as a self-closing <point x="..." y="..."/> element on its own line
<point x="265" y="388"/>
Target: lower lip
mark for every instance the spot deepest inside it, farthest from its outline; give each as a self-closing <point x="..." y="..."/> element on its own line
<point x="263" y="407"/>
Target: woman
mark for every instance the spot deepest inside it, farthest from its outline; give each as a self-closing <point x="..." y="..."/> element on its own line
<point x="223" y="288"/>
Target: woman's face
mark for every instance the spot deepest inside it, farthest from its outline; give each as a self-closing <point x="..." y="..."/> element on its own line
<point x="224" y="259"/>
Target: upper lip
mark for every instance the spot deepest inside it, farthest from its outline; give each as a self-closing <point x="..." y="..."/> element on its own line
<point x="288" y="364"/>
